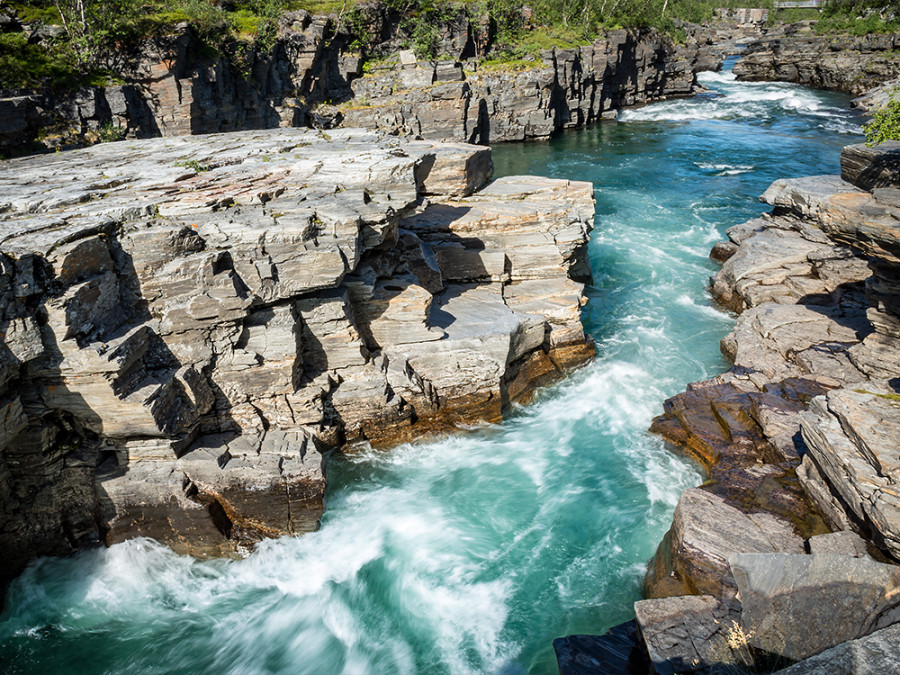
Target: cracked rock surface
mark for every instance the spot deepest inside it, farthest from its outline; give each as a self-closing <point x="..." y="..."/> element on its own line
<point x="188" y="325"/>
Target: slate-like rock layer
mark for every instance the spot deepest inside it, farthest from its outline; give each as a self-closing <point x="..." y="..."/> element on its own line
<point x="188" y="325"/>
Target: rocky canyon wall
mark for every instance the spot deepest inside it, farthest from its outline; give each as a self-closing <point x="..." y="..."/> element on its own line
<point x="850" y="64"/>
<point x="188" y="325"/>
<point x="565" y="88"/>
<point x="174" y="86"/>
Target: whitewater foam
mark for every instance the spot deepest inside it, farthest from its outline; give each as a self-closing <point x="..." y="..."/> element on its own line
<point x="469" y="553"/>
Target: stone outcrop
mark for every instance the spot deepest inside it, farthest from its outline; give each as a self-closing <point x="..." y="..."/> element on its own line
<point x="811" y="402"/>
<point x="565" y="88"/>
<point x="190" y="324"/>
<point x="878" y="97"/>
<point x="312" y="76"/>
<point x="846" y="63"/>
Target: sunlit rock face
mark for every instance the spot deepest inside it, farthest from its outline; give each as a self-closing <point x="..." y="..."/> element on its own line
<point x="189" y="324"/>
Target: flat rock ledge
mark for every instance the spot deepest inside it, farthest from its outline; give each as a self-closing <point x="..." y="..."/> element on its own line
<point x="188" y="325"/>
<point x="790" y="547"/>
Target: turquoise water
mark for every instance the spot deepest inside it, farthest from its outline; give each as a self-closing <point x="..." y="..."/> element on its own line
<point x="469" y="554"/>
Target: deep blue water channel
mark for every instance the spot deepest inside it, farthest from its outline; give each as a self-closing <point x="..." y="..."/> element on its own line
<point x="471" y="553"/>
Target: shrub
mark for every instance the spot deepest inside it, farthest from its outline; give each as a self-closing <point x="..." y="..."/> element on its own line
<point x="885" y="124"/>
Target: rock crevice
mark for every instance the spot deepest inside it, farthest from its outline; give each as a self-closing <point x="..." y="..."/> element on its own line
<point x="190" y="325"/>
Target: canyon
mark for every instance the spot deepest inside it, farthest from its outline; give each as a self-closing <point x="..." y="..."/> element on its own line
<point x="191" y="324"/>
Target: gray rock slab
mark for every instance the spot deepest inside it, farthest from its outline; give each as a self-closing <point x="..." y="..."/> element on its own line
<point x="799" y="605"/>
<point x="686" y="634"/>
<point x="875" y="654"/>
<point x="838" y="543"/>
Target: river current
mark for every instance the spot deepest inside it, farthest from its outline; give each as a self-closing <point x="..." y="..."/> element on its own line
<point x="470" y="553"/>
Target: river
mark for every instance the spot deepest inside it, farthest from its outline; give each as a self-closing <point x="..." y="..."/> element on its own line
<point x="470" y="553"/>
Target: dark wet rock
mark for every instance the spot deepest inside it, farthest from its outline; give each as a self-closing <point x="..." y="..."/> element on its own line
<point x="619" y="651"/>
<point x="799" y="605"/>
<point x="722" y="251"/>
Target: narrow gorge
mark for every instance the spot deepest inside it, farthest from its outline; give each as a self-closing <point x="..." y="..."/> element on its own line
<point x="318" y="382"/>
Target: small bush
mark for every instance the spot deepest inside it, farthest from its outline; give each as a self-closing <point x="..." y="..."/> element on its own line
<point x="885" y="124"/>
<point x="110" y="132"/>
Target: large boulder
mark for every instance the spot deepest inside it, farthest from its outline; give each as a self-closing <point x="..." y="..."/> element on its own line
<point x="799" y="605"/>
<point x="705" y="532"/>
<point x="870" y="167"/>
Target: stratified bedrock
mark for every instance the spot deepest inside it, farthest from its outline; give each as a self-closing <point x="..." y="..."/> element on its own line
<point x="189" y="324"/>
<point x="802" y="433"/>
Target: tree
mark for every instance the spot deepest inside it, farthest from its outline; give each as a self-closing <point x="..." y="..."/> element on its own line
<point x="93" y="27"/>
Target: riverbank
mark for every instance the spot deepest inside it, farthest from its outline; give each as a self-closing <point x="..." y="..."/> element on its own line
<point x="801" y="426"/>
<point x="191" y="325"/>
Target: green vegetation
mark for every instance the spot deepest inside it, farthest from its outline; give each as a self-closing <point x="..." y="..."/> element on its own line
<point x="110" y="132"/>
<point x="193" y="164"/>
<point x="885" y="124"/>
<point x="96" y="35"/>
<point x="24" y="65"/>
<point x="859" y="17"/>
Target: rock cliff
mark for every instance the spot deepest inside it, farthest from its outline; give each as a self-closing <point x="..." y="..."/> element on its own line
<point x="801" y="433"/>
<point x="174" y="86"/>
<point x="565" y="88"/>
<point x="846" y="63"/>
<point x="189" y="325"/>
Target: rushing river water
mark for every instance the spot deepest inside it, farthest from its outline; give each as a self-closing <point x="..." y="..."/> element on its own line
<point x="471" y="553"/>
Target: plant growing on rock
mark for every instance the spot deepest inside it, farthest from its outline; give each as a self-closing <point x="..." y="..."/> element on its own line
<point x="93" y="28"/>
<point x="885" y="124"/>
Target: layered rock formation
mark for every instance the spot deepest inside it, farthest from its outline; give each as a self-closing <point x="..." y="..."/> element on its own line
<point x="190" y="324"/>
<point x="174" y="86"/>
<point x="846" y="63"/>
<point x="808" y="412"/>
<point x="565" y="88"/>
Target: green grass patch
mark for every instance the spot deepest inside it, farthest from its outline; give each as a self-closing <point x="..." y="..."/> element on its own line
<point x="502" y="65"/>
<point x="858" y="26"/>
<point x="889" y="397"/>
